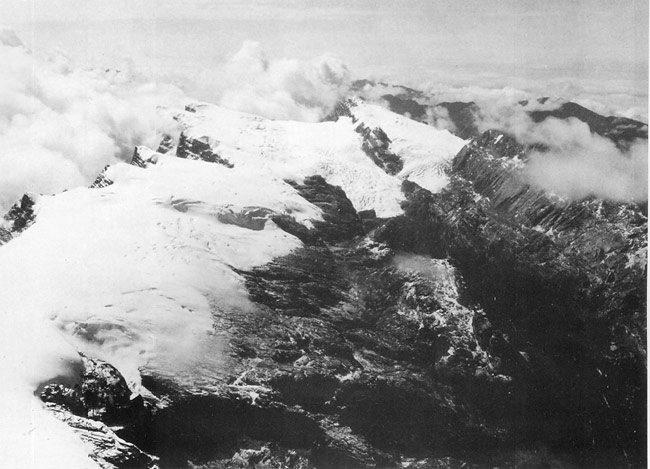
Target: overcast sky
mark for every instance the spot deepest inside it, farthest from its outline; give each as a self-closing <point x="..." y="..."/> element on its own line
<point x="594" y="42"/>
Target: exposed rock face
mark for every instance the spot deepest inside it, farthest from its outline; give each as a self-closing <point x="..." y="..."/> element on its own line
<point x="376" y="143"/>
<point x="102" y="180"/>
<point x="340" y="218"/>
<point x="199" y="149"/>
<point x="143" y="156"/>
<point x="105" y="394"/>
<point x="166" y="144"/>
<point x="21" y="214"/>
<point x="102" y="398"/>
<point x="109" y="450"/>
<point x="19" y="217"/>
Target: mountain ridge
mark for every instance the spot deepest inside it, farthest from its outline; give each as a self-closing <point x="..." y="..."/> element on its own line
<point x="363" y="292"/>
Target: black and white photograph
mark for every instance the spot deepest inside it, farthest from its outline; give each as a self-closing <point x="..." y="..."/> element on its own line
<point x="323" y="234"/>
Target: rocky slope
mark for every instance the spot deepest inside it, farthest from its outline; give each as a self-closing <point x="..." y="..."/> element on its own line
<point x="363" y="292"/>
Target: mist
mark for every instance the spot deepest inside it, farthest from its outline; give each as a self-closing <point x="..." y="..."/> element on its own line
<point x="580" y="164"/>
<point x="287" y="89"/>
<point x="59" y="126"/>
<point x="577" y="162"/>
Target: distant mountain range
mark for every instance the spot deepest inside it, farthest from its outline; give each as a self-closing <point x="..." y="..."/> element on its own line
<point x="465" y="115"/>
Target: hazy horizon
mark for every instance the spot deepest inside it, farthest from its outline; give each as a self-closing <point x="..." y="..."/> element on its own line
<point x="566" y="49"/>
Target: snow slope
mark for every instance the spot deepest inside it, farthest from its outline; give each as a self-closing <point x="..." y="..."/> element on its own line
<point x="294" y="150"/>
<point x="124" y="273"/>
<point x="127" y="272"/>
<point x="425" y="150"/>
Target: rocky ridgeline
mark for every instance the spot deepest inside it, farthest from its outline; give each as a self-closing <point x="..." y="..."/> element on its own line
<point x="19" y="217"/>
<point x="199" y="149"/>
<point x="102" y="180"/>
<point x="142" y="157"/>
<point x="375" y="143"/>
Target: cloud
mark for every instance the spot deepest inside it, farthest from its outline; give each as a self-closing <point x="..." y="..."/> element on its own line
<point x="9" y="38"/>
<point x="290" y="89"/>
<point x="59" y="125"/>
<point x="580" y="164"/>
<point x="439" y="118"/>
<point x="577" y="162"/>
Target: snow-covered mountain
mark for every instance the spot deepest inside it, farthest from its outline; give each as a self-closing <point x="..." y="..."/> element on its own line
<point x="367" y="291"/>
<point x="130" y="272"/>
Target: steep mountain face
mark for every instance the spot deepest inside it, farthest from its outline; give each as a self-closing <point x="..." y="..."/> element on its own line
<point x="363" y="292"/>
<point x="562" y="289"/>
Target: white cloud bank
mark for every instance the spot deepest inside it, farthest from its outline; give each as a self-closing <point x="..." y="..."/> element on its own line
<point x="59" y="126"/>
<point x="582" y="164"/>
<point x="285" y="89"/>
<point x="578" y="163"/>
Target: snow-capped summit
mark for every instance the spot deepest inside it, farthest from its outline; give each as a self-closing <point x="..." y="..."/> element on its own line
<point x="423" y="150"/>
<point x="338" y="151"/>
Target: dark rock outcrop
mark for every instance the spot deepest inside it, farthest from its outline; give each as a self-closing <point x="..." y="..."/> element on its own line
<point x="109" y="450"/>
<point x="199" y="149"/>
<point x="375" y="143"/>
<point x="142" y="157"/>
<point x="100" y="398"/>
<point x="102" y="180"/>
<point x="340" y="219"/>
<point x="166" y="144"/>
<point x="20" y="216"/>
